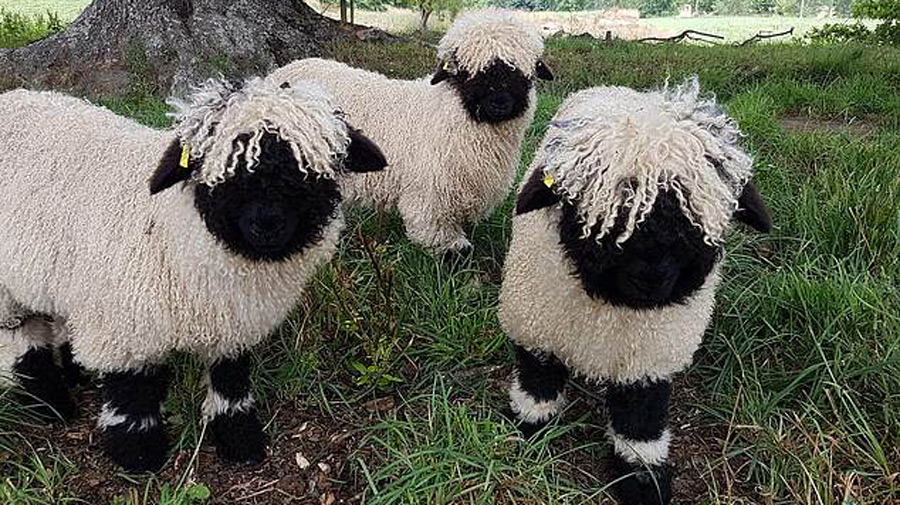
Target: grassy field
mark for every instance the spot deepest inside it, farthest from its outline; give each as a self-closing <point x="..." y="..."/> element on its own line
<point x="66" y="9"/>
<point x="390" y="376"/>
<point x="733" y="28"/>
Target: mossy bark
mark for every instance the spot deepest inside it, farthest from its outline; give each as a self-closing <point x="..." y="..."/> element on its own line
<point x="166" y="45"/>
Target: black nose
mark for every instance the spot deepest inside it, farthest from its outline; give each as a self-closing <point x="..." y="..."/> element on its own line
<point x="500" y="105"/>
<point x="269" y="221"/>
<point x="264" y="224"/>
<point x="654" y="282"/>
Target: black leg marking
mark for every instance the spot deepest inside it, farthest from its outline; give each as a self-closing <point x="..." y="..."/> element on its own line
<point x="131" y="424"/>
<point x="638" y="430"/>
<point x="642" y="485"/>
<point x="537" y="390"/>
<point x="46" y="391"/>
<point x="231" y="412"/>
<point x="74" y="373"/>
<point x="455" y="259"/>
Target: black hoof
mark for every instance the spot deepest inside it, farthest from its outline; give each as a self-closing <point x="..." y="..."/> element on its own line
<point x="528" y="430"/>
<point x="642" y="485"/>
<point x="46" y="392"/>
<point x="136" y="451"/>
<point x="456" y="259"/>
<point x="239" y="437"/>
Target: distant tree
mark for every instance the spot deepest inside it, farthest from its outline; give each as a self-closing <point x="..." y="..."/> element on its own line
<point x="658" y="8"/>
<point x="731" y="7"/>
<point x="888" y="12"/>
<point x="427" y="8"/>
<point x="762" y="6"/>
<point x="887" y="32"/>
<point x="706" y="6"/>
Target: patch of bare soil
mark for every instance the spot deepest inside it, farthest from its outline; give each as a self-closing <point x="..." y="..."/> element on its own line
<point x="854" y="127"/>
<point x="308" y="462"/>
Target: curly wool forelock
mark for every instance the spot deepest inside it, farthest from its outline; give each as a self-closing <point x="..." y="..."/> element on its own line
<point x="478" y="37"/>
<point x="606" y="163"/>
<point x="303" y="115"/>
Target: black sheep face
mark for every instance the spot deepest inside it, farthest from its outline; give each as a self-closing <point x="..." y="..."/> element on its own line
<point x="273" y="212"/>
<point x="496" y="94"/>
<point x="663" y="262"/>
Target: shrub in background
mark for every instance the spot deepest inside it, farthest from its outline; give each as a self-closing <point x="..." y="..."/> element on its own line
<point x="888" y="12"/>
<point x="17" y="30"/>
<point x="887" y="31"/>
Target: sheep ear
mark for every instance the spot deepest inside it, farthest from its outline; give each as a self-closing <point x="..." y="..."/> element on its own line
<point x="752" y="210"/>
<point x="542" y="71"/>
<point x="447" y="70"/>
<point x="363" y="155"/>
<point x="535" y="194"/>
<point x="440" y="76"/>
<point x="170" y="170"/>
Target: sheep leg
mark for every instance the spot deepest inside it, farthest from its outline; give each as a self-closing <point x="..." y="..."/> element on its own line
<point x="537" y="390"/>
<point x="440" y="236"/>
<point x="26" y="360"/>
<point x="231" y="414"/>
<point x="73" y="372"/>
<point x="131" y="422"/>
<point x="640" y="436"/>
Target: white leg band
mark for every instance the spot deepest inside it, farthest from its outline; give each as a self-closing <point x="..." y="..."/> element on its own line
<point x="528" y="409"/>
<point x="654" y="452"/>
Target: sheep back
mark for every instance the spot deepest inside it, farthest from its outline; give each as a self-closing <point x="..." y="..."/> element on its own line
<point x="444" y="168"/>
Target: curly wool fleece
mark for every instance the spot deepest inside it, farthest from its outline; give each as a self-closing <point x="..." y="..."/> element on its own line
<point x="215" y="114"/>
<point x="445" y="169"/>
<point x="479" y="37"/>
<point x="133" y="276"/>
<point x="610" y="148"/>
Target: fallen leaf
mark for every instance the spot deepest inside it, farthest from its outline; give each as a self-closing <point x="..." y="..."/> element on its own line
<point x="380" y="404"/>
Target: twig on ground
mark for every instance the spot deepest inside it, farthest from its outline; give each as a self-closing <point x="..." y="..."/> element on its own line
<point x="762" y="36"/>
<point x="687" y="34"/>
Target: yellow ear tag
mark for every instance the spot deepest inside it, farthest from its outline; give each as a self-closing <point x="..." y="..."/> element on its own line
<point x="448" y="67"/>
<point x="185" y="155"/>
<point x="549" y="181"/>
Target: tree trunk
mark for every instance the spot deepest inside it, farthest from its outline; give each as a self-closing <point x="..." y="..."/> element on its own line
<point x="424" y="15"/>
<point x="167" y="45"/>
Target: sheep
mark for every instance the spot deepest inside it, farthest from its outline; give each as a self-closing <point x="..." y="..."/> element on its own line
<point x="615" y="258"/>
<point x="128" y="275"/>
<point x="454" y="139"/>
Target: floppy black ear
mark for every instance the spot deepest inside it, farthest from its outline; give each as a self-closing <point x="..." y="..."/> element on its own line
<point x="446" y="70"/>
<point x="363" y="155"/>
<point x="542" y="71"/>
<point x="752" y="210"/>
<point x="535" y="194"/>
<point x="170" y="170"/>
<point x="440" y="76"/>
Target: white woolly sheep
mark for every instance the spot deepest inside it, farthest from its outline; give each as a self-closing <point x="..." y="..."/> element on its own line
<point x="614" y="261"/>
<point x="454" y="140"/>
<point x="211" y="268"/>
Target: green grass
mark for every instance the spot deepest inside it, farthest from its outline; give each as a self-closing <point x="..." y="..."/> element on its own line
<point x="19" y="29"/>
<point x="66" y="9"/>
<point x="740" y="28"/>
<point x="794" y="396"/>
